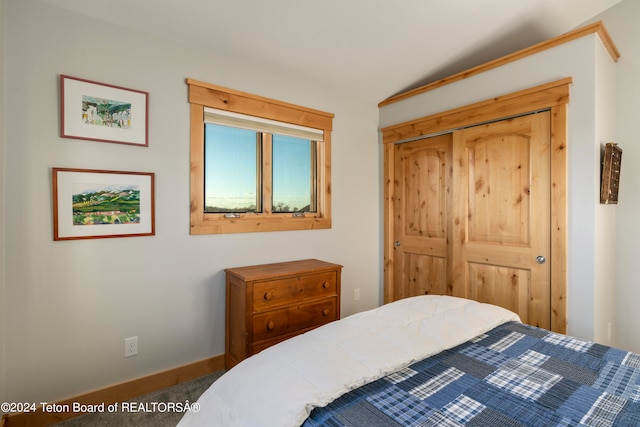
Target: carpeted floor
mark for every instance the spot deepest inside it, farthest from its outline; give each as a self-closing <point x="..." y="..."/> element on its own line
<point x="161" y="417"/>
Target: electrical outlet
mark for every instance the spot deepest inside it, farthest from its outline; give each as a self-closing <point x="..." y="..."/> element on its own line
<point x="356" y="294"/>
<point x="130" y="346"/>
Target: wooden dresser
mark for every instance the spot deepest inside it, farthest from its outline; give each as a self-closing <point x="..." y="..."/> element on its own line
<point x="270" y="303"/>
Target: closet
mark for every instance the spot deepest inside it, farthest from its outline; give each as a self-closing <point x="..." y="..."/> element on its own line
<point x="491" y="184"/>
<point x="472" y="210"/>
<point x="469" y="210"/>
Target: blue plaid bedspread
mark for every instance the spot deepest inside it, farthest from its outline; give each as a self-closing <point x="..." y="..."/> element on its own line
<point x="514" y="375"/>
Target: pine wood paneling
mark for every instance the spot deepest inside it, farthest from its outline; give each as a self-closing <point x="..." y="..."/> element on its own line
<point x="537" y="98"/>
<point x="237" y="101"/>
<point x="420" y="229"/>
<point x="501" y="186"/>
<point x="554" y="97"/>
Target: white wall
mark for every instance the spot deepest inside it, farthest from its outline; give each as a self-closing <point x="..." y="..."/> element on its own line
<point x="70" y="304"/>
<point x="622" y="22"/>
<point x="605" y="235"/>
<point x="578" y="59"/>
<point x="2" y="147"/>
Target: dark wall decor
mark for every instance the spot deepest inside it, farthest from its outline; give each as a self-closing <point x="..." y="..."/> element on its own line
<point x="610" y="174"/>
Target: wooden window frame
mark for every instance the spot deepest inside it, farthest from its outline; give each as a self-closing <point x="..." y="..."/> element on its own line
<point x="203" y="95"/>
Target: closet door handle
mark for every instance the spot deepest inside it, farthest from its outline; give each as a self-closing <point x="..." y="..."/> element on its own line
<point x="541" y="259"/>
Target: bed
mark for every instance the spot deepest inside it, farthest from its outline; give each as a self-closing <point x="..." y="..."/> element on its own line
<point x="428" y="361"/>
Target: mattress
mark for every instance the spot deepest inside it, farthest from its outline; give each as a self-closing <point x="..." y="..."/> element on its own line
<point x="281" y="385"/>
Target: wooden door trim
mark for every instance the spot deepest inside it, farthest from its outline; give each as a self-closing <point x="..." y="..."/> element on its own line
<point x="553" y="96"/>
<point x="559" y="217"/>
<point x="540" y="97"/>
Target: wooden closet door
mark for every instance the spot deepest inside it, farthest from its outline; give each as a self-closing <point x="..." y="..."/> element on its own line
<point x="422" y="206"/>
<point x="472" y="216"/>
<point x="501" y="218"/>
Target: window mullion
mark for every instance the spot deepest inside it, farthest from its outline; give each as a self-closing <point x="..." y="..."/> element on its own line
<point x="315" y="183"/>
<point x="266" y="173"/>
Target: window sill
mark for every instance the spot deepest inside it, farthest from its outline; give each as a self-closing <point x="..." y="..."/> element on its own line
<point x="218" y="224"/>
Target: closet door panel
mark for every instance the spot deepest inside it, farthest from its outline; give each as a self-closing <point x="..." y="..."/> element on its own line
<point x="421" y="204"/>
<point x="501" y="216"/>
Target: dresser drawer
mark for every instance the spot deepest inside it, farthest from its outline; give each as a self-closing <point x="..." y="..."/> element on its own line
<point x="275" y="293"/>
<point x="293" y="319"/>
<point x="269" y="303"/>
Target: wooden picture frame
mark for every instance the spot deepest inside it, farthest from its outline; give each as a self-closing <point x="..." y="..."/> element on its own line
<point x="92" y="204"/>
<point x="103" y="112"/>
<point x="611" y="163"/>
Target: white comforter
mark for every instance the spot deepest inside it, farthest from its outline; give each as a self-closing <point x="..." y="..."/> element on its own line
<point x="282" y="384"/>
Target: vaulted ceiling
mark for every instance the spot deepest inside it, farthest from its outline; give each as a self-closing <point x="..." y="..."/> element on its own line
<point x="371" y="49"/>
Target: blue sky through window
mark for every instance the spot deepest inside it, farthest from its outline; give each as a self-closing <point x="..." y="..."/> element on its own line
<point x="231" y="165"/>
<point x="291" y="172"/>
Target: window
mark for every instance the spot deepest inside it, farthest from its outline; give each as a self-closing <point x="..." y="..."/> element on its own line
<point x="257" y="164"/>
<point x="230" y="173"/>
<point x="293" y="174"/>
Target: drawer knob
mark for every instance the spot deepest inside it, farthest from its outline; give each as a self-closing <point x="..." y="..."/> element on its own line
<point x="325" y="285"/>
<point x="325" y="312"/>
<point x="268" y="295"/>
<point x="271" y="325"/>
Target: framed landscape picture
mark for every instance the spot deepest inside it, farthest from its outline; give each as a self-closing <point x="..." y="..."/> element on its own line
<point x="91" y="204"/>
<point x="103" y="112"/>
